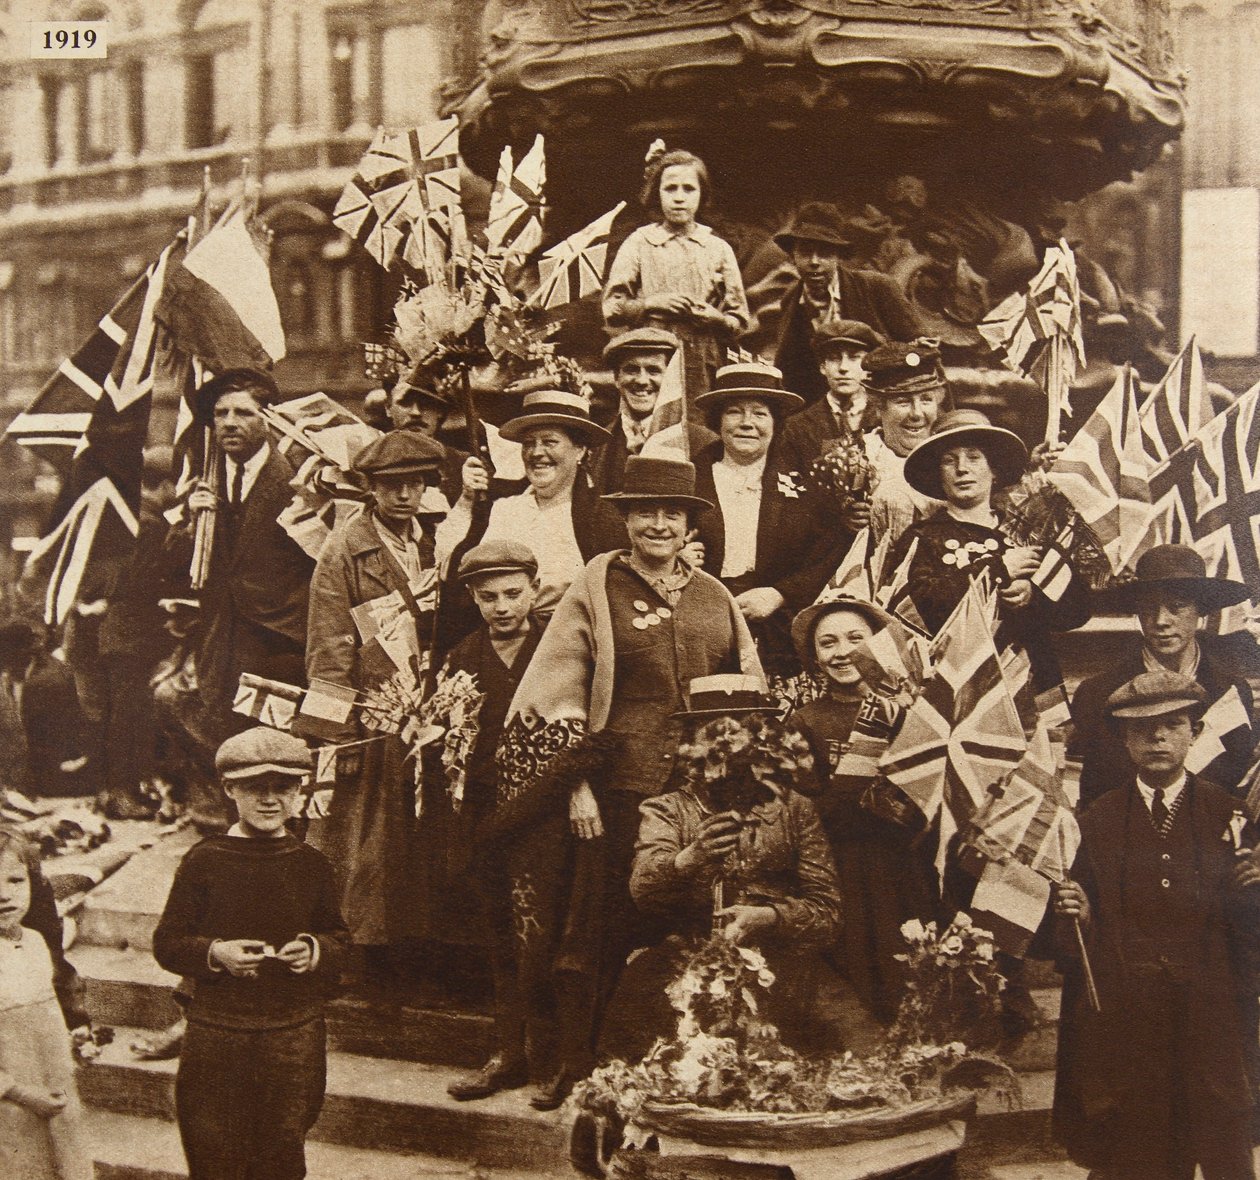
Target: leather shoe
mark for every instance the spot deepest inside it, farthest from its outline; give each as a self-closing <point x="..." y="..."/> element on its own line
<point x="551" y="1095"/>
<point x="497" y="1074"/>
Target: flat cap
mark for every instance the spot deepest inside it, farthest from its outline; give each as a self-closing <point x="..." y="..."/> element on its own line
<point x="260" y="751"/>
<point x="400" y="452"/>
<point x="498" y="557"/>
<point x="1152" y="694"/>
<point x="646" y="339"/>
<point x="854" y="333"/>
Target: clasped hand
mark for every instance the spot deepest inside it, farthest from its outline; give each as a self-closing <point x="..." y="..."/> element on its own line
<point x="242" y="957"/>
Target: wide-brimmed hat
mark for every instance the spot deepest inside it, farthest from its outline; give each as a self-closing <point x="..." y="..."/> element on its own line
<point x="816" y="221"/>
<point x="554" y="407"/>
<point x="660" y="481"/>
<point x="400" y="452"/>
<point x="750" y="379"/>
<point x="1179" y="569"/>
<point x="1153" y="694"/>
<point x="897" y="367"/>
<point x="260" y="384"/>
<point x="1004" y="449"/>
<point x="832" y="333"/>
<point x="419" y="383"/>
<point x="807" y="620"/>
<point x="728" y="694"/>
<point x="646" y="339"/>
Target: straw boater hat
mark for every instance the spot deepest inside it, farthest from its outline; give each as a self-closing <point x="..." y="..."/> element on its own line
<point x="646" y="339"/>
<point x="901" y="368"/>
<point x="1005" y="451"/>
<point x="806" y="622"/>
<point x="816" y="221"/>
<point x="749" y="379"/>
<point x="658" y="481"/>
<point x="555" y="407"/>
<point x="1175" y="568"/>
<point x="1153" y="694"/>
<point x="728" y="694"/>
<point x="832" y="334"/>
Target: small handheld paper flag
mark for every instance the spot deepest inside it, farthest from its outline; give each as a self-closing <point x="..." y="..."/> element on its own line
<point x="1224" y="715"/>
<point x="325" y="710"/>
<point x="270" y="702"/>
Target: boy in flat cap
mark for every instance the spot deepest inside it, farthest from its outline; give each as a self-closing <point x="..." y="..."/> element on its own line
<point x="502" y="579"/>
<point x="252" y="916"/>
<point x="1154" y="1081"/>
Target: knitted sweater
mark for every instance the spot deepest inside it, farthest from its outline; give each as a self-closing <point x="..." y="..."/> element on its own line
<point x="273" y="890"/>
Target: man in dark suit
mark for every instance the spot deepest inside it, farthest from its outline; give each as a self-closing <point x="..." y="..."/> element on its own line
<point x="1170" y="595"/>
<point x="254" y="602"/>
<point x="840" y="346"/>
<point x="818" y="241"/>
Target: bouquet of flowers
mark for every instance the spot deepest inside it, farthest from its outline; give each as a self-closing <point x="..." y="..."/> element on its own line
<point x="843" y="474"/>
<point x="741" y="762"/>
<point x="1038" y="514"/>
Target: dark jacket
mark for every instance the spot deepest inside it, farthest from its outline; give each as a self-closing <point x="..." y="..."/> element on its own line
<point x="805" y="435"/>
<point x="865" y="295"/>
<point x="56" y="729"/>
<point x="1104" y="760"/>
<point x="1166" y="940"/>
<point x="608" y="463"/>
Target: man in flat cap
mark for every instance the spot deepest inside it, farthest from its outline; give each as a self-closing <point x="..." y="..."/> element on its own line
<point x="841" y="347"/>
<point x="1171" y="595"/>
<point x="1152" y="1081"/>
<point x="818" y="240"/>
<point x="502" y="578"/>
<point x="417" y="402"/>
<point x="373" y="597"/>
<point x="254" y="601"/>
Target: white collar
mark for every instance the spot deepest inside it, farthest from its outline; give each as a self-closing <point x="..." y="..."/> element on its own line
<point x="658" y="233"/>
<point x="1171" y="794"/>
<point x="253" y="465"/>
<point x="1189" y="665"/>
<point x="748" y="475"/>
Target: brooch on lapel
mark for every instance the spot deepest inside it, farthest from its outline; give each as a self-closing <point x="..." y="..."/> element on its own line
<point x="788" y="485"/>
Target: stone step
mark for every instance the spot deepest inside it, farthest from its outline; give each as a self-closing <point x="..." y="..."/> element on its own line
<point x="126" y="1147"/>
<point x="125" y="987"/>
<point x="382" y="1105"/>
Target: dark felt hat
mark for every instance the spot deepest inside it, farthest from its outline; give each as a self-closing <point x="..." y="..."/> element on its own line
<point x="1004" y="449"/>
<point x="660" y="481"/>
<point x="749" y="379"/>
<point x="417" y="384"/>
<point x="257" y="382"/>
<point x="260" y="751"/>
<point x="897" y="367"/>
<point x="807" y="620"/>
<point x="727" y="694"/>
<point x="1152" y="694"/>
<point x="555" y="407"/>
<point x="497" y="557"/>
<point x="400" y="452"/>
<point x="1175" y="568"/>
<point x="816" y="221"/>
<point x="645" y="339"/>
<point x="854" y="333"/>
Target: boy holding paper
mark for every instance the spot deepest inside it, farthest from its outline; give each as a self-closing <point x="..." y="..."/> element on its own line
<point x="372" y="601"/>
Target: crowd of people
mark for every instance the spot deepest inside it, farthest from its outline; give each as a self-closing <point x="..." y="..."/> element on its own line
<point x="620" y="609"/>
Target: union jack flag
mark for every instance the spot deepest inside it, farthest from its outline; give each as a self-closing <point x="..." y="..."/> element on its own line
<point x="56" y="422"/>
<point x="860" y="570"/>
<point x="382" y="200"/>
<point x="894" y="596"/>
<point x="101" y="487"/>
<point x="514" y="226"/>
<point x="1104" y="470"/>
<point x="442" y="234"/>
<point x="963" y="732"/>
<point x="574" y="268"/>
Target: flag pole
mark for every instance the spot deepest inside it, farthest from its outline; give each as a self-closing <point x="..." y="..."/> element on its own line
<point x="203" y="528"/>
<point x="1055" y="391"/>
<point x="1091" y="988"/>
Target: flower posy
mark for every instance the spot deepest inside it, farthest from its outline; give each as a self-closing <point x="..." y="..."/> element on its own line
<point x="843" y="473"/>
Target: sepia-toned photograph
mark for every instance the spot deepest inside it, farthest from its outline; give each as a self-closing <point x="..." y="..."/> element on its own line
<point x="650" y="589"/>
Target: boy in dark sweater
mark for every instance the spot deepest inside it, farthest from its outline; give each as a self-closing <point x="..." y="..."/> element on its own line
<point x="1152" y="1082"/>
<point x="252" y="916"/>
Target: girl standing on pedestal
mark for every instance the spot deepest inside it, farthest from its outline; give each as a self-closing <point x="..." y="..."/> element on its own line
<point x="678" y="273"/>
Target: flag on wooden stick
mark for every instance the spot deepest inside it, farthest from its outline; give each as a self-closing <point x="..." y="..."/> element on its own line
<point x="574" y="268"/>
<point x="514" y="227"/>
<point x="667" y="428"/>
<point x="382" y="200"/>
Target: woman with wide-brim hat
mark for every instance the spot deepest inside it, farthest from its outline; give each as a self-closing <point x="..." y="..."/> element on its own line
<point x="634" y="627"/>
<point x="557" y="513"/>
<point x="766" y="537"/>
<point x="885" y="876"/>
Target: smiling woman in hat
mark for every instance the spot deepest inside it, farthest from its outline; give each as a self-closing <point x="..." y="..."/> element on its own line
<point x="1171" y="595"/>
<point x="765" y="537"/>
<point x="376" y="574"/>
<point x="965" y="463"/>
<point x="885" y="877"/>
<point x="557" y="514"/>
<point x="634" y="627"/>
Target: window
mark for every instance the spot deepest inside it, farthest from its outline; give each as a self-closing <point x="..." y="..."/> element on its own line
<point x="96" y="116"/>
<point x="351" y="81"/>
<point x="383" y="73"/>
<point x="131" y="83"/>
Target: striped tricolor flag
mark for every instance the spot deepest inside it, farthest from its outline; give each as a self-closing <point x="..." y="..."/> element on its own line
<point x="1053" y="574"/>
<point x="667" y="428"/>
<point x="1104" y="470"/>
<point x="514" y="227"/>
<point x="574" y="268"/>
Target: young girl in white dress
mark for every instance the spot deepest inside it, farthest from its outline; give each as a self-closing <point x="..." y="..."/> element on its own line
<point x="40" y="1118"/>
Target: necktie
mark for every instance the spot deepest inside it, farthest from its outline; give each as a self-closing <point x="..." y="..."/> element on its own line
<point x="238" y="485"/>
<point x="1159" y="811"/>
